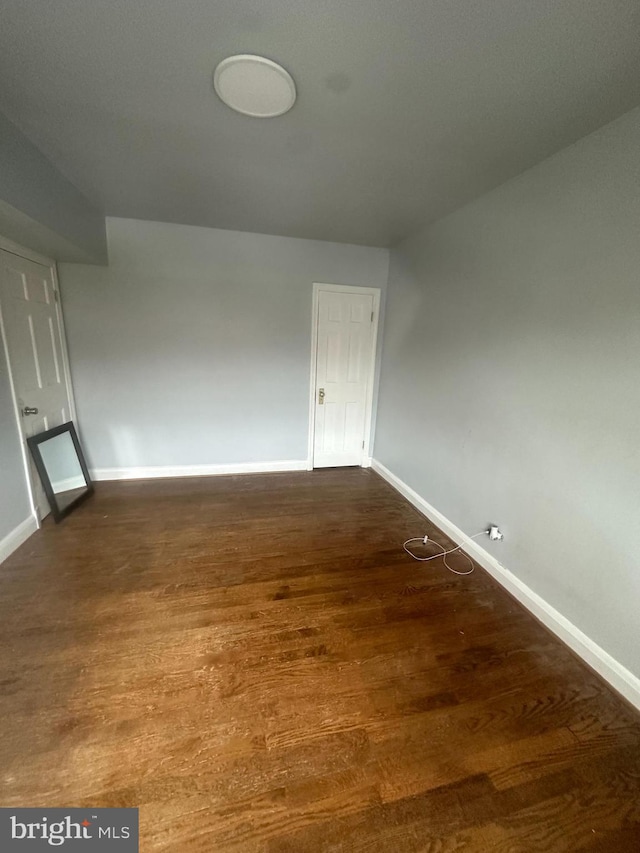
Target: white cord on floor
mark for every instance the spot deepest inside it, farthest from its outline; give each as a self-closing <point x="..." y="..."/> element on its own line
<point x="425" y="540"/>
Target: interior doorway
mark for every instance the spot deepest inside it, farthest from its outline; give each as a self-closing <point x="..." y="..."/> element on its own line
<point x="33" y="338"/>
<point x="344" y="336"/>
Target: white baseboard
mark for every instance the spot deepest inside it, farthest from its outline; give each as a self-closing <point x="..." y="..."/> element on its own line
<point x="618" y="676"/>
<point x="17" y="536"/>
<point x="150" y="472"/>
<point x="68" y="484"/>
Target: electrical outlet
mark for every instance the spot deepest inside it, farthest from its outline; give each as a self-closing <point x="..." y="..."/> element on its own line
<point x="495" y="534"/>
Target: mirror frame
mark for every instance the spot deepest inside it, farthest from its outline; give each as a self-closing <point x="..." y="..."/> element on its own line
<point x="34" y="443"/>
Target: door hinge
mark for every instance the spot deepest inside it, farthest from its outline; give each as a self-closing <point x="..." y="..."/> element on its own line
<point x="372" y="316"/>
<point x="363" y="445"/>
<point x="55" y="296"/>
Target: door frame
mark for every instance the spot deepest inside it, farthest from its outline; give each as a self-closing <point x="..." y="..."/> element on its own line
<point x="29" y="255"/>
<point x="375" y="292"/>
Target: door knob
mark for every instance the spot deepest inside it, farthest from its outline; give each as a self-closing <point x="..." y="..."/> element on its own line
<point x="29" y="410"/>
<point x="321" y="396"/>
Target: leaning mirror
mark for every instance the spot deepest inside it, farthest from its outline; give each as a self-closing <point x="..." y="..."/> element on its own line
<point x="58" y="457"/>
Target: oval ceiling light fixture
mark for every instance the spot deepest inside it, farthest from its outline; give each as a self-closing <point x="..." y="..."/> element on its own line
<point x="254" y="86"/>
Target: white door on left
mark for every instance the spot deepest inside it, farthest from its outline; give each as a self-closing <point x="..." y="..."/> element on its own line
<point x="33" y="339"/>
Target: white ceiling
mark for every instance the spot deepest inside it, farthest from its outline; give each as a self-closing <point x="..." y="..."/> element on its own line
<point x="406" y="108"/>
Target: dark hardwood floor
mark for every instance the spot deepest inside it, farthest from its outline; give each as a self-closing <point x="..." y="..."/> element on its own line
<point x="256" y="663"/>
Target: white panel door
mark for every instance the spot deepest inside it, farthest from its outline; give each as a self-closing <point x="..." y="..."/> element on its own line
<point x="344" y="367"/>
<point x="34" y="346"/>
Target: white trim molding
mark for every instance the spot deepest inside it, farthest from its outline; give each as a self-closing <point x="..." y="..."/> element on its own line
<point x="17" y="537"/>
<point x="156" y="471"/>
<point x="376" y="293"/>
<point x="22" y="251"/>
<point x="69" y="483"/>
<point x="65" y="350"/>
<point x="612" y="671"/>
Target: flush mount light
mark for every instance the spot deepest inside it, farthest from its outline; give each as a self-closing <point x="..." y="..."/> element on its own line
<point x="254" y="86"/>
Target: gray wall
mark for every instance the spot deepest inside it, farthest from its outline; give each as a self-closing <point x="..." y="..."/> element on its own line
<point x="40" y="208"/>
<point x="193" y="346"/>
<point x="510" y="389"/>
<point x="14" y="498"/>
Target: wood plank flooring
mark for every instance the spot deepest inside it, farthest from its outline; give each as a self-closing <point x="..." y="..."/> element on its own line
<point x="256" y="663"/>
